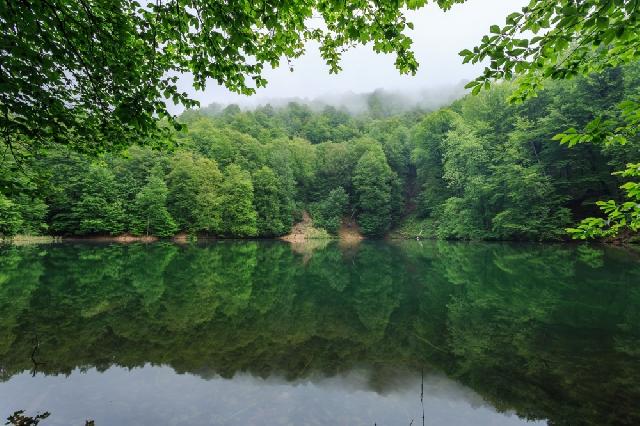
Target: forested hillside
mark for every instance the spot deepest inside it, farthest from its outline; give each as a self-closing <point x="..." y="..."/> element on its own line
<point x="481" y="168"/>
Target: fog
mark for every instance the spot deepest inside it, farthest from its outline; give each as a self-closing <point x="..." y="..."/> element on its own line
<point x="438" y="37"/>
<point x="389" y="101"/>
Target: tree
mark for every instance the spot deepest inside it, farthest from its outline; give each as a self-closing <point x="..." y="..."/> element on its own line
<point x="89" y="203"/>
<point x="32" y="210"/>
<point x="238" y="214"/>
<point x="96" y="75"/>
<point x="334" y="168"/>
<point x="372" y="182"/>
<point x="428" y="137"/>
<point x="328" y="213"/>
<point x="272" y="217"/>
<point x="10" y="220"/>
<point x="132" y="169"/>
<point x="151" y="216"/>
<point x="96" y="215"/>
<point x="194" y="192"/>
<point x="559" y="40"/>
<point x="482" y="168"/>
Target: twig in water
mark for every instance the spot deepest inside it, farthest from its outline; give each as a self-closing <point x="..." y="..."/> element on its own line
<point x="422" y="393"/>
<point x="36" y="349"/>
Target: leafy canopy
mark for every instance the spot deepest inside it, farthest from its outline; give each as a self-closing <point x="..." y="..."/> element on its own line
<point x="560" y="40"/>
<point x="97" y="75"/>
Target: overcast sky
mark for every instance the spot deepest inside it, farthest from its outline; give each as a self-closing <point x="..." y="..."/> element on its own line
<point x="438" y="37"/>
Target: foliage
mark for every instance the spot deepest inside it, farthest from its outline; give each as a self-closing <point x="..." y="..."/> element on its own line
<point x="194" y="193"/>
<point x="10" y="220"/>
<point x="328" y="213"/>
<point x="90" y="205"/>
<point x="560" y="40"/>
<point x="97" y="76"/>
<point x="481" y="168"/>
<point x="272" y="216"/>
<point x="428" y="137"/>
<point x="619" y="215"/>
<point x="372" y="183"/>
<point x="236" y="204"/>
<point x="414" y="228"/>
<point x="557" y="40"/>
<point x="151" y="215"/>
<point x="314" y="233"/>
<point x="618" y="127"/>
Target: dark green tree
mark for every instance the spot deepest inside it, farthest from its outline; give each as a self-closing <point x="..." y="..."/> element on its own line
<point x="238" y="213"/>
<point x="271" y="214"/>
<point x="560" y="40"/>
<point x="328" y="213"/>
<point x="372" y="183"/>
<point x="151" y="215"/>
<point x="194" y="193"/>
<point x="10" y="219"/>
<point x="90" y="204"/>
<point x="428" y="137"/>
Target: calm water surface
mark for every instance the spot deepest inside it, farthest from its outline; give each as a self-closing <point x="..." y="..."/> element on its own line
<point x="267" y="333"/>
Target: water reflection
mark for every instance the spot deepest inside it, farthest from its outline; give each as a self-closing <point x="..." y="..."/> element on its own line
<point x="329" y="336"/>
<point x="156" y="395"/>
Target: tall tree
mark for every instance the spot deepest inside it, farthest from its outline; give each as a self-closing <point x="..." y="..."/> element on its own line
<point x="238" y="214"/>
<point x="328" y="213"/>
<point x="372" y="182"/>
<point x="194" y="193"/>
<point x="10" y="220"/>
<point x="271" y="214"/>
<point x="151" y="214"/>
<point x="428" y="137"/>
<point x="89" y="204"/>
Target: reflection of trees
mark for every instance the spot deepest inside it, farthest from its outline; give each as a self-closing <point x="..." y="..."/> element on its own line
<point x="536" y="330"/>
<point x="20" y="272"/>
<point x="549" y="331"/>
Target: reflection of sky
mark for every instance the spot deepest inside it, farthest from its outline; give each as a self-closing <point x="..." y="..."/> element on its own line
<point x="158" y="395"/>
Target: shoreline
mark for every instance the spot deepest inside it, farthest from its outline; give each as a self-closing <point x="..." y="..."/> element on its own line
<point x="346" y="239"/>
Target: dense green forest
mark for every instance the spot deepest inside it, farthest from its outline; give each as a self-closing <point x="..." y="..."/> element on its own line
<point x="480" y="168"/>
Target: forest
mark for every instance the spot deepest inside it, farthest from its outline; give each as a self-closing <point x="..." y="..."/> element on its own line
<point x="480" y="168"/>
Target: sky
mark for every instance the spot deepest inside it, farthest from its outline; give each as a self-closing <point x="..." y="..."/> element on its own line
<point x="437" y="38"/>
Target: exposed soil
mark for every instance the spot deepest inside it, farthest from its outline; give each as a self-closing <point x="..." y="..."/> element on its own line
<point x="300" y="231"/>
<point x="181" y="238"/>
<point x="349" y="231"/>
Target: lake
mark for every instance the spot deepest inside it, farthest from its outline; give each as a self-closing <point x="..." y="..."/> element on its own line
<point x="269" y="333"/>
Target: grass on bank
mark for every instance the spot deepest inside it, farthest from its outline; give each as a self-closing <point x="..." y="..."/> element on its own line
<point x="29" y="239"/>
<point x="413" y="227"/>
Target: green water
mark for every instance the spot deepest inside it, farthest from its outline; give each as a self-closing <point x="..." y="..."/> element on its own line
<point x="269" y="333"/>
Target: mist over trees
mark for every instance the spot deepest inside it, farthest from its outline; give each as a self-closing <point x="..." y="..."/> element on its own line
<point x="98" y="76"/>
<point x="479" y="168"/>
<point x="380" y="103"/>
<point x="94" y="79"/>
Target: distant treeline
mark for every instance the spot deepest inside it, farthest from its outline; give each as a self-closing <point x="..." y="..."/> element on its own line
<point x="481" y="168"/>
